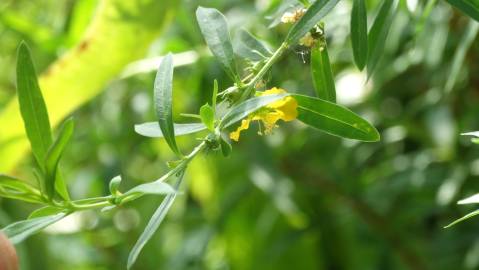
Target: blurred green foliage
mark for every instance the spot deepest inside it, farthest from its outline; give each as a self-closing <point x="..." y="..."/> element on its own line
<point x="297" y="199"/>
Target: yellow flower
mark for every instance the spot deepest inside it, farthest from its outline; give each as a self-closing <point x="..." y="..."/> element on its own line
<point x="283" y="109"/>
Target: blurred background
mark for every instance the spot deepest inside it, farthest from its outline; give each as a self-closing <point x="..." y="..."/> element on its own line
<point x="297" y="199"/>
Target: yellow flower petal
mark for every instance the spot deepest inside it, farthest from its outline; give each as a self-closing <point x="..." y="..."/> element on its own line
<point x="244" y="125"/>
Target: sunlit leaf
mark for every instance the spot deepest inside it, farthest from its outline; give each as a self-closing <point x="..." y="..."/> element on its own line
<point x="45" y="211"/>
<point x="163" y="101"/>
<point x="32" y="106"/>
<point x="152" y="129"/>
<point x="214" y="27"/>
<point x="208" y="116"/>
<point x="468" y="216"/>
<point x="334" y="119"/>
<point x="469" y="200"/>
<point x="323" y="79"/>
<point x="359" y="33"/>
<point x="315" y="13"/>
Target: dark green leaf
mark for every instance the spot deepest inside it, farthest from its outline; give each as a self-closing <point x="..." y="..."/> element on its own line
<point x="247" y="46"/>
<point x="334" y="119"/>
<point x="225" y="146"/>
<point x="378" y="33"/>
<point x="19" y="231"/>
<point x="315" y="13"/>
<point x="154" y="223"/>
<point x="214" y="27"/>
<point x="54" y="180"/>
<point x="163" y="101"/>
<point x="469" y="7"/>
<point x="208" y="116"/>
<point x="247" y="107"/>
<point x="152" y="129"/>
<point x="359" y="33"/>
<point x="323" y="78"/>
<point x="32" y="106"/>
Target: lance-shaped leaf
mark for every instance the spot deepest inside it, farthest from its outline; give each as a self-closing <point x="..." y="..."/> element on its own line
<point x="468" y="216"/>
<point x="13" y="188"/>
<point x="359" y="33"/>
<point x="313" y="15"/>
<point x="154" y="223"/>
<point x="247" y="107"/>
<point x="152" y="129"/>
<point x="207" y="115"/>
<point x="247" y="46"/>
<point x="323" y="79"/>
<point x="163" y="101"/>
<point x="334" y="119"/>
<point x="378" y="33"/>
<point x="19" y="231"/>
<point x="32" y="106"/>
<point x="214" y="28"/>
<point x="53" y="177"/>
<point x="469" y="7"/>
<point x="469" y="200"/>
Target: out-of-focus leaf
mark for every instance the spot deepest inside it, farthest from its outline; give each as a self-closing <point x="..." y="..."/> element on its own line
<point x="249" y="106"/>
<point x="32" y="106"/>
<point x="19" y="231"/>
<point x="468" y="216"/>
<point x="163" y="101"/>
<point x="54" y="180"/>
<point x="334" y="119"/>
<point x="359" y="33"/>
<point x="154" y="223"/>
<point x="468" y="7"/>
<point x="208" y="116"/>
<point x="323" y="79"/>
<point x="214" y="27"/>
<point x="19" y="190"/>
<point x="378" y="33"/>
<point x="247" y="46"/>
<point x="152" y="129"/>
<point x="226" y="147"/>
<point x="464" y="45"/>
<point x="315" y="13"/>
<point x="45" y="211"/>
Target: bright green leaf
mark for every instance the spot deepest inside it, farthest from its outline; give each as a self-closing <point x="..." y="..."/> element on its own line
<point x="208" y="116"/>
<point x="214" y="27"/>
<point x="32" y="106"/>
<point x="152" y="129"/>
<point x="19" y="231"/>
<point x="16" y="189"/>
<point x="315" y="13"/>
<point x="156" y="187"/>
<point x="378" y="33"/>
<point x="468" y="216"/>
<point x="359" y="33"/>
<point x="163" y="101"/>
<point x="323" y="78"/>
<point x="469" y="7"/>
<point x="45" y="211"/>
<point x="334" y="119"/>
<point x="54" y="180"/>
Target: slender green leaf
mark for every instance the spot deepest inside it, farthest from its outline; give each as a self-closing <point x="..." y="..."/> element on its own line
<point x="208" y="116"/>
<point x="32" y="106"/>
<point x="152" y="129"/>
<point x="225" y="145"/>
<point x="247" y="107"/>
<point x="214" y="27"/>
<point x="315" y="13"/>
<point x="378" y="33"/>
<point x="19" y="231"/>
<point x="53" y="178"/>
<point x="45" y="211"/>
<point x="469" y="200"/>
<point x="163" y="101"/>
<point x="359" y="33"/>
<point x="215" y="96"/>
<point x="16" y="189"/>
<point x="468" y="216"/>
<point x="154" y="223"/>
<point x="247" y="46"/>
<point x="468" y="7"/>
<point x="466" y="41"/>
<point x="323" y="78"/>
<point x="334" y="119"/>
